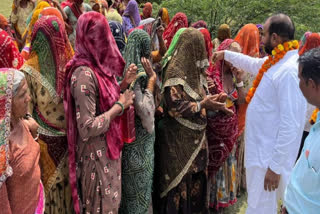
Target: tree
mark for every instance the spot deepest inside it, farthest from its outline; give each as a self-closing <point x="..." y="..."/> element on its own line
<point x="237" y="13"/>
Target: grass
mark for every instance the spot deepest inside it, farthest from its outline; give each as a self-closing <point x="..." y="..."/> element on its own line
<point x="5" y="7"/>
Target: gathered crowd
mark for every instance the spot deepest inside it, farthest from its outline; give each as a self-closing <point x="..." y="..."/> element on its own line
<point x="104" y="109"/>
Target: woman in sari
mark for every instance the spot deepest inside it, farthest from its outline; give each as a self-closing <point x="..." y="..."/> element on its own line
<point x="179" y="20"/>
<point x="21" y="190"/>
<point x="118" y="35"/>
<point x="138" y="156"/>
<point x="131" y="17"/>
<point x="222" y="131"/>
<point x="73" y="12"/>
<point x="4" y="25"/>
<point x="224" y="33"/>
<point x="248" y="39"/>
<point x="9" y="54"/>
<point x="262" y="52"/>
<point x="183" y="144"/>
<point x="20" y="12"/>
<point x="44" y="70"/>
<point x="93" y="104"/>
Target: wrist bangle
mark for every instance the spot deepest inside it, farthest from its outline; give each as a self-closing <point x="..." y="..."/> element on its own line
<point x="198" y="106"/>
<point x="122" y="107"/>
<point x="37" y="137"/>
<point x="240" y="84"/>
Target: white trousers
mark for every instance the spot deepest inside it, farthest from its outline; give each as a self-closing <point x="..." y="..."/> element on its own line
<point x="259" y="200"/>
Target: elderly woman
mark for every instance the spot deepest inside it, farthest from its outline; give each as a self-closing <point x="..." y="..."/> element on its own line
<point x="131" y="17"/>
<point x="21" y="190"/>
<point x="45" y="71"/>
<point x="183" y="142"/>
<point x="93" y="104"/>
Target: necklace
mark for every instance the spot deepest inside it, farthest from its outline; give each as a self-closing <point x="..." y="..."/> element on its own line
<point x="277" y="54"/>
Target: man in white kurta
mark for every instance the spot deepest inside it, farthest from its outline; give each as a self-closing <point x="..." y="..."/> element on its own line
<point x="274" y="124"/>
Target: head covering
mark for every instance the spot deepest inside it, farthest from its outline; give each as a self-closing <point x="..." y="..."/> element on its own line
<point x="224" y="32"/>
<point x="304" y="39"/>
<point x="248" y="39"/>
<point x="9" y="54"/>
<point x="180" y="20"/>
<point x="97" y="49"/>
<point x="118" y="34"/>
<point x="66" y="3"/>
<point x="51" y="11"/>
<point x="167" y="57"/>
<point x="138" y="46"/>
<point x="3" y="22"/>
<point x="76" y="10"/>
<point x="164" y="15"/>
<point x="189" y="61"/>
<point x="50" y="51"/>
<point x="209" y="47"/>
<point x="132" y="11"/>
<point x="147" y="10"/>
<point x="312" y="41"/>
<point x="10" y="80"/>
<point x="39" y="6"/>
<point x="199" y="24"/>
<point x="222" y="130"/>
<point x="259" y="26"/>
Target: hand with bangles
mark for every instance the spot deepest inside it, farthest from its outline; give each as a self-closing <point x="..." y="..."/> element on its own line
<point x="216" y="103"/>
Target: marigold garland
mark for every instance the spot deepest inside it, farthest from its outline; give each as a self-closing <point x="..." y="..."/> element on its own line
<point x="314" y="116"/>
<point x="277" y="54"/>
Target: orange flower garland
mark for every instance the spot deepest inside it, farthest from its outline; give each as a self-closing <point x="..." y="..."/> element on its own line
<point x="314" y="116"/>
<point x="277" y="54"/>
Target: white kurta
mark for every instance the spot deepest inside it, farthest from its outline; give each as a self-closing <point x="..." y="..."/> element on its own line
<point x="275" y="117"/>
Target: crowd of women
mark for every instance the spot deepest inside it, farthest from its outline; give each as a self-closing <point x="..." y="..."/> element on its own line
<point x="105" y="110"/>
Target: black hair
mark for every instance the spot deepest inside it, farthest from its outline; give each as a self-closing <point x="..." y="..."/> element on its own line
<point x="282" y="25"/>
<point x="310" y="64"/>
<point x="109" y="3"/>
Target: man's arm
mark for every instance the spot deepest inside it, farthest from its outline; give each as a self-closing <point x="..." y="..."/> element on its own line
<point x="248" y="64"/>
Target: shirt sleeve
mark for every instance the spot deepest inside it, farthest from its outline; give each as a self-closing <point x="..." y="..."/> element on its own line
<point x="292" y="104"/>
<point x="4" y="202"/>
<point x="177" y="105"/>
<point x="84" y="92"/>
<point x="144" y="107"/>
<point x="248" y="64"/>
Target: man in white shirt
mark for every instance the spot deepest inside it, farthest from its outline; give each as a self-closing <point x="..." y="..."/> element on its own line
<point x="274" y="120"/>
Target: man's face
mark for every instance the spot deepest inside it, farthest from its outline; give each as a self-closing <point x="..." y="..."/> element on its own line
<point x="266" y="38"/>
<point x="307" y="88"/>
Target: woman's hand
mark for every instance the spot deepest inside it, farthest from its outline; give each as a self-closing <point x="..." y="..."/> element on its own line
<point x="238" y="74"/>
<point x="216" y="103"/>
<point x="33" y="126"/>
<point x="131" y="74"/>
<point x="126" y="99"/>
<point x="148" y="68"/>
<point x="160" y="31"/>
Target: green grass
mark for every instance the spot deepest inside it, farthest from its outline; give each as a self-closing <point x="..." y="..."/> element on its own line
<point x="5" y="7"/>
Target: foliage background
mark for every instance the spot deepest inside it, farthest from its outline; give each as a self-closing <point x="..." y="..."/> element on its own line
<point x="236" y="13"/>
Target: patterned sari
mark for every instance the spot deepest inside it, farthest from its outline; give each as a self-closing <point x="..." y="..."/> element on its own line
<point x="138" y="156"/>
<point x="9" y="53"/>
<point x="45" y="72"/>
<point x="131" y="17"/>
<point x="183" y="144"/>
<point x="180" y="20"/>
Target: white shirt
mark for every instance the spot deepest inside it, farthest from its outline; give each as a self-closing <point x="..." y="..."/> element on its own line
<point x="275" y="117"/>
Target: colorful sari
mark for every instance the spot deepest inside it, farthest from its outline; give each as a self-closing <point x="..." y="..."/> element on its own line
<point x="9" y="54"/>
<point x="131" y="17"/>
<point x="222" y="132"/>
<point x="105" y="62"/>
<point x="19" y="20"/>
<point x="45" y="72"/>
<point x="19" y="155"/>
<point x="182" y="138"/>
<point x="138" y="156"/>
<point x="180" y="20"/>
